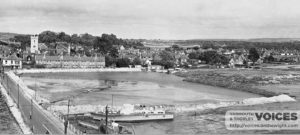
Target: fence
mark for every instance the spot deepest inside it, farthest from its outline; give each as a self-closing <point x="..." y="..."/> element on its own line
<point x="16" y="91"/>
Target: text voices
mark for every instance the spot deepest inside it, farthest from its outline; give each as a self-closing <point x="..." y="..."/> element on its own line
<point x="276" y="116"/>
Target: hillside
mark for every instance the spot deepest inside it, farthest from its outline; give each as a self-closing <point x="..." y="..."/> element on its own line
<point x="274" y="39"/>
<point x="6" y="35"/>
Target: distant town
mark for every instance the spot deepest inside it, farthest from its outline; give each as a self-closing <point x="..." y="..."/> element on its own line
<point x="60" y="50"/>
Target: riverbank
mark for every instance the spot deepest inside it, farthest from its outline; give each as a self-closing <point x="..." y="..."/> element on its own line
<point x="248" y="80"/>
<point x="61" y="70"/>
<point x="266" y="82"/>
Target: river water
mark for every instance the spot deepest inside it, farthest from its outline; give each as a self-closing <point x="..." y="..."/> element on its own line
<point x="139" y="88"/>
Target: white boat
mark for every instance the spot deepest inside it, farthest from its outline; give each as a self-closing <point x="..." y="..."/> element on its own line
<point x="135" y="117"/>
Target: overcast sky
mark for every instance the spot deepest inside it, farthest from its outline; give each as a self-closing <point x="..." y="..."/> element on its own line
<point x="155" y="19"/>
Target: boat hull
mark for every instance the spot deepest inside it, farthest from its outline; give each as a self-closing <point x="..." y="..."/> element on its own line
<point x="136" y="118"/>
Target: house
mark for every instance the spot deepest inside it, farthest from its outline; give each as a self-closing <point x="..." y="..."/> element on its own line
<point x="62" y="48"/>
<point x="12" y="62"/>
<point x="4" y="50"/>
<point x="155" y="67"/>
<point x="156" y="57"/>
<point x="237" y="60"/>
<point x="146" y="56"/>
<point x="70" y="61"/>
<point x="42" y="47"/>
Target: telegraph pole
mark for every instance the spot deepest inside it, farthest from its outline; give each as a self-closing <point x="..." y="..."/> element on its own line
<point x="35" y="88"/>
<point x="19" y="91"/>
<point x="106" y="113"/>
<point x="18" y="96"/>
<point x="67" y="119"/>
<point x="31" y="115"/>
<point x="7" y="85"/>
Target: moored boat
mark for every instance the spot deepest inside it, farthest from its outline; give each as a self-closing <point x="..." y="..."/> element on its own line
<point x="135" y="117"/>
<point x="137" y="114"/>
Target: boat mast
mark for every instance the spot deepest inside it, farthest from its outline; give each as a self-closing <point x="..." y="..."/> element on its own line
<point x="112" y="101"/>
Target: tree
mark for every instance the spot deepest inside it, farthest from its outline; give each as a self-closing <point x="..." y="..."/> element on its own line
<point x="123" y="62"/>
<point x="253" y="55"/>
<point x="63" y="37"/>
<point x="137" y="61"/>
<point x="48" y="37"/>
<point x="87" y="39"/>
<point x="168" y="64"/>
<point x="208" y="56"/>
<point x="109" y="61"/>
<point x="104" y="44"/>
<point x="24" y="39"/>
<point x="196" y="48"/>
<point x="219" y="60"/>
<point x="194" y="55"/>
<point x="167" y="59"/>
<point x="269" y="59"/>
<point x="167" y="56"/>
<point x="176" y="47"/>
<point x="75" y="39"/>
<point x="114" y="52"/>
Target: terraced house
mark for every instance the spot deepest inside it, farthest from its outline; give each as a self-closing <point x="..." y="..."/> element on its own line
<point x="70" y="61"/>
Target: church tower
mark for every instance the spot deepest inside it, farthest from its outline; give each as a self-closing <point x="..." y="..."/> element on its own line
<point x="34" y="44"/>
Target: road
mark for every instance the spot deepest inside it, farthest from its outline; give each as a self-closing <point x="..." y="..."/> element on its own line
<point x="41" y="121"/>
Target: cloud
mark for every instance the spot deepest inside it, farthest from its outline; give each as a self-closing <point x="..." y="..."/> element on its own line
<point x="155" y="18"/>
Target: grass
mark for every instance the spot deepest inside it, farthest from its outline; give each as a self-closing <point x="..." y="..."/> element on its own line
<point x="242" y="79"/>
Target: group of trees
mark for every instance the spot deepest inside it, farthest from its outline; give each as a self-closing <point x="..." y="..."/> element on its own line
<point x="102" y="44"/>
<point x="121" y="62"/>
<point x="210" y="57"/>
<point x="214" y="58"/>
<point x="242" y="44"/>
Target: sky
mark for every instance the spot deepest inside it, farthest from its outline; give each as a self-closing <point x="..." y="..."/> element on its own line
<point x="155" y="19"/>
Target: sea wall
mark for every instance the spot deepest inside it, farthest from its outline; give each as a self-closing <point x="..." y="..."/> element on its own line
<point x="13" y="80"/>
<point x="15" y="111"/>
<point x="58" y="70"/>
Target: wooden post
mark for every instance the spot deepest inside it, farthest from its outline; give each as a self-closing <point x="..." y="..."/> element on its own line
<point x="106" y="113"/>
<point x="18" y="96"/>
<point x="67" y="119"/>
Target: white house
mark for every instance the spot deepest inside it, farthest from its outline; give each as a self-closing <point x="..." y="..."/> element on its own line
<point x="12" y="61"/>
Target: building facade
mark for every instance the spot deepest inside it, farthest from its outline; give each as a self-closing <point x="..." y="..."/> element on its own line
<point x="70" y="61"/>
<point x="12" y="62"/>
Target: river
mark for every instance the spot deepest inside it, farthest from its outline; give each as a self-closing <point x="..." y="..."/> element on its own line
<point x="138" y="88"/>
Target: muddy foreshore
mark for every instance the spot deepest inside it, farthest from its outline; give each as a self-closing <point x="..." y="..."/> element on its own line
<point x="242" y="80"/>
<point x="253" y="81"/>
